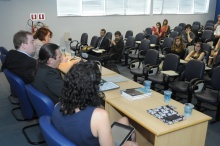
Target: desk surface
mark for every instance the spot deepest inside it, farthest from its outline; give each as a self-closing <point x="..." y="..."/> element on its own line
<point x="65" y="66"/>
<point x="149" y="122"/>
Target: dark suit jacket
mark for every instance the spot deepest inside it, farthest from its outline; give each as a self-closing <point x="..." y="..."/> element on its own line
<point x="21" y="65"/>
<point x="117" y="48"/>
<point x="49" y="81"/>
<point x="104" y="44"/>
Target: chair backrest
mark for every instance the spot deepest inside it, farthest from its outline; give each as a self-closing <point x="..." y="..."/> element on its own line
<point x="167" y="43"/>
<point x="2" y="57"/>
<point x="3" y="51"/>
<point x="215" y="81"/>
<point x="196" y="27"/>
<point x="178" y="29"/>
<point x="197" y="23"/>
<point x="209" y="24"/>
<point x="139" y="37"/>
<point x="43" y="105"/>
<point x="93" y="41"/>
<point x="209" y="28"/>
<point x="207" y="35"/>
<point x="194" y="69"/>
<point x="207" y="48"/>
<point x="128" y="33"/>
<point x="183" y="25"/>
<point x="51" y="135"/>
<point x="84" y="39"/>
<point x="171" y="62"/>
<point x="145" y="45"/>
<point x="154" y="39"/>
<point x="152" y="57"/>
<point x="18" y="87"/>
<point x="130" y="42"/>
<point x="173" y="34"/>
<point x="148" y="32"/>
<point x="108" y="35"/>
<point x="210" y="21"/>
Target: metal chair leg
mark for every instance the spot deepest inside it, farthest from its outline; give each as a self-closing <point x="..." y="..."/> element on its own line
<point x="26" y="136"/>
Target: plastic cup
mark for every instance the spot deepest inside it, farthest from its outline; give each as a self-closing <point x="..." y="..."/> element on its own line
<point x="167" y="96"/>
<point x="63" y="50"/>
<point x="188" y="107"/>
<point x="147" y="85"/>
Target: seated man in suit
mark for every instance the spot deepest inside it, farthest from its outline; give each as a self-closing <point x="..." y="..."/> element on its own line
<point x="102" y="42"/>
<point x="21" y="61"/>
<point x="188" y="36"/>
<point x="48" y="79"/>
<point x="116" y="48"/>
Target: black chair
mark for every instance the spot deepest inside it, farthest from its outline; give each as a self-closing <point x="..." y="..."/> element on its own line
<point x="210" y="21"/>
<point x="142" y="49"/>
<point x="183" y="25"/>
<point x="148" y="32"/>
<point x="166" y="45"/>
<point x="194" y="70"/>
<point x="207" y="36"/>
<point x="154" y="41"/>
<point x="171" y="63"/>
<point x="78" y="45"/>
<point x="173" y="34"/>
<point x="199" y="24"/>
<point x="128" y="33"/>
<point x="151" y="60"/>
<point x="195" y="30"/>
<point x="130" y="43"/>
<point x="108" y="35"/>
<point x="207" y="48"/>
<point x="209" y="24"/>
<point x="178" y="29"/>
<point x="3" y="51"/>
<point x="211" y="96"/>
<point x="209" y="28"/>
<point x="139" y="37"/>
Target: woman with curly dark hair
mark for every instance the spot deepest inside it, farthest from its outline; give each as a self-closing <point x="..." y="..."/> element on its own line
<point x="77" y="115"/>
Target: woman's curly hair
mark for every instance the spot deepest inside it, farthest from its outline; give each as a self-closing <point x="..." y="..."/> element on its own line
<point x="81" y="87"/>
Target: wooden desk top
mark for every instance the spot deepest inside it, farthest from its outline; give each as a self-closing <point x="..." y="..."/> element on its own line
<point x="65" y="66"/>
<point x="136" y="110"/>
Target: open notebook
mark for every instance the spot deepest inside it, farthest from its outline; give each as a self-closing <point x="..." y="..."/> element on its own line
<point x="104" y="85"/>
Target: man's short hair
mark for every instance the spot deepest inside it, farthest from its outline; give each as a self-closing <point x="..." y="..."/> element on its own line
<point x="188" y="26"/>
<point x="118" y="33"/>
<point x="103" y="30"/>
<point x="20" y="37"/>
<point x="47" y="51"/>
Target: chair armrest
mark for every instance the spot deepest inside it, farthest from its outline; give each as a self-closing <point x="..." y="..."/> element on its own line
<point x="150" y="69"/>
<point x="74" y="41"/>
<point x="141" y="52"/>
<point x="133" y="64"/>
<point x="196" y="85"/>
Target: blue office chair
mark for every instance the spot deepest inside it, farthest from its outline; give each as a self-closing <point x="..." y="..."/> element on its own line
<point x="3" y="51"/>
<point x="18" y="87"/>
<point x="52" y="136"/>
<point x="42" y="104"/>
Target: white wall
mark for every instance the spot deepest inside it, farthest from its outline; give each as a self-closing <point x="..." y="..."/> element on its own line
<point x="14" y="15"/>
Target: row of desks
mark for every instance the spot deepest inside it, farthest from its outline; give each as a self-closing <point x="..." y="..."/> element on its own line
<point x="149" y="130"/>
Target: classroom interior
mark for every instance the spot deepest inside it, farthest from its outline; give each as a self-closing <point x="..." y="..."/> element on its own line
<point x="15" y="15"/>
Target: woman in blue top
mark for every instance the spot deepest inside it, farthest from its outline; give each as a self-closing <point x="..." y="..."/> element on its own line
<point x="77" y="115"/>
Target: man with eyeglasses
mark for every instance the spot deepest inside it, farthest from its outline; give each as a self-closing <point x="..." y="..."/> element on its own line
<point x="20" y="61"/>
